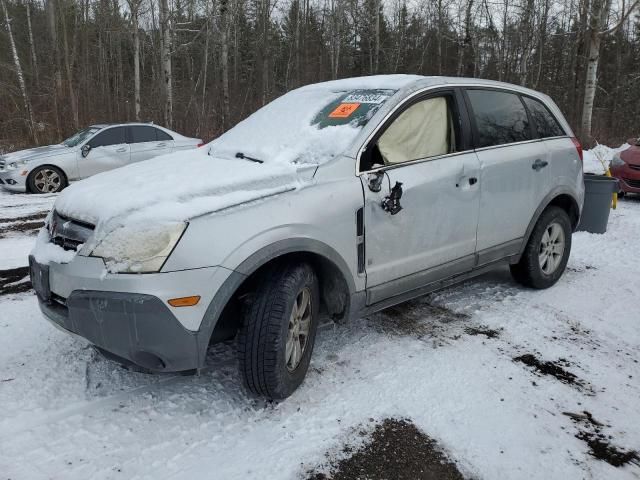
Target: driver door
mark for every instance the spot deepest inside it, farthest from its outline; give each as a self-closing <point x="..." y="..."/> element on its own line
<point x="109" y="150"/>
<point x="421" y="154"/>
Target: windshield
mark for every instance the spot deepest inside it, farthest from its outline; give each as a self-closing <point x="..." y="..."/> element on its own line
<point x="79" y="137"/>
<point x="308" y="125"/>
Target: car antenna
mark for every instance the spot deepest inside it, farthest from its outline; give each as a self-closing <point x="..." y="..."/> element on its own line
<point x="244" y="157"/>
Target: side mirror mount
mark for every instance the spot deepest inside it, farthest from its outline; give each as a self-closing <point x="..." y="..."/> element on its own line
<point x="86" y="148"/>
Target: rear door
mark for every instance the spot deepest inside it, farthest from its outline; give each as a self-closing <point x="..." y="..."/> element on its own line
<point x="514" y="173"/>
<point x="109" y="150"/>
<point x="420" y="152"/>
<point x="148" y="142"/>
<point x="563" y="160"/>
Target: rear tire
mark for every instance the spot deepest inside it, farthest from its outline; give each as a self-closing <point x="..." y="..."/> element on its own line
<point x="278" y="332"/>
<point x="547" y="252"/>
<point x="46" y="179"/>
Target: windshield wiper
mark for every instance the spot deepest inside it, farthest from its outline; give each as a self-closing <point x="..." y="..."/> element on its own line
<point x="244" y="157"/>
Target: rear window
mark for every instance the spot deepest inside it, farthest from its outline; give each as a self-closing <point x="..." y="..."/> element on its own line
<point x="355" y="107"/>
<point x="545" y="123"/>
<point x="162" y="135"/>
<point x="500" y="117"/>
<point x="140" y="134"/>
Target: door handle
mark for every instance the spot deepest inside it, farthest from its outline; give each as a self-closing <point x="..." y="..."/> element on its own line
<point x="539" y="164"/>
<point x="471" y="180"/>
<point x="121" y="150"/>
<point x="162" y="145"/>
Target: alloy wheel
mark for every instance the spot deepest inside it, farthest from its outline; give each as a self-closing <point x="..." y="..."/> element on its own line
<point x="299" y="327"/>
<point x="551" y="248"/>
<point x="47" y="181"/>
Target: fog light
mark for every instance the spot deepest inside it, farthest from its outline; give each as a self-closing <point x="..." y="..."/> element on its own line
<point x="11" y="181"/>
<point x="184" y="301"/>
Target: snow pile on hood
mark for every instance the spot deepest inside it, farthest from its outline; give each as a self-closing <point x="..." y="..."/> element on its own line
<point x="284" y="130"/>
<point x="171" y="188"/>
<point x="600" y="156"/>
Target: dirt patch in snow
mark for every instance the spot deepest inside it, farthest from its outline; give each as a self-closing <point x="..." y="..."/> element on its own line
<point x="14" y="280"/>
<point x="398" y="450"/>
<point x="26" y="218"/>
<point x="549" y="368"/>
<point x="416" y="319"/>
<point x="30" y="228"/>
<point x="482" y="330"/>
<point x="600" y="444"/>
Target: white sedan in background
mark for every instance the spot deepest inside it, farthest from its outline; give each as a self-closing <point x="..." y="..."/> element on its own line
<point x="95" y="149"/>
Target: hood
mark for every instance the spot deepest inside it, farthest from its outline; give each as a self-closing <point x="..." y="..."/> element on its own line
<point x="631" y="155"/>
<point x="35" y="153"/>
<point x="174" y="188"/>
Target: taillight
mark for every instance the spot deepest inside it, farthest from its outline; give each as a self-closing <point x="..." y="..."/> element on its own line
<point x="578" y="146"/>
<point x="202" y="145"/>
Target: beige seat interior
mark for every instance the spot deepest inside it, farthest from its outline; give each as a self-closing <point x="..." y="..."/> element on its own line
<point x="422" y="131"/>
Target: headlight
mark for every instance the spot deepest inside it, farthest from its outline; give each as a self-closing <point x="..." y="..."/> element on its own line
<point x="616" y="161"/>
<point x="139" y="249"/>
<point x="14" y="165"/>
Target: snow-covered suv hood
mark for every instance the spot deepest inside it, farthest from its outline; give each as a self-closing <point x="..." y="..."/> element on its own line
<point x="174" y="187"/>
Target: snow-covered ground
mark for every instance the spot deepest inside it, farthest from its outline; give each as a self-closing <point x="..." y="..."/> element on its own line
<point x="445" y="361"/>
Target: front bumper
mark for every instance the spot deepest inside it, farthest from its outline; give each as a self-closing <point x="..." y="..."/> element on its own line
<point x="629" y="178"/>
<point x="126" y="315"/>
<point x="13" y="181"/>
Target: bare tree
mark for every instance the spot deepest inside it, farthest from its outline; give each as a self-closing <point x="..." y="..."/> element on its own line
<point x="600" y="10"/>
<point x="167" y="77"/>
<point x="23" y="87"/>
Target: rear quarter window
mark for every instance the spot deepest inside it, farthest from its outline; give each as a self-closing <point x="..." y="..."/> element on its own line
<point x="500" y="117"/>
<point x="545" y="123"/>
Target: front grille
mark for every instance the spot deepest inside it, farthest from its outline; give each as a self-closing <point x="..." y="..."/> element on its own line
<point x="1" y="182"/>
<point x="634" y="167"/>
<point x="632" y="183"/>
<point x="68" y="233"/>
<point x="3" y="162"/>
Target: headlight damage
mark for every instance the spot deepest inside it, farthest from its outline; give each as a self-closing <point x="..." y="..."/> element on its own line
<point x="139" y="249"/>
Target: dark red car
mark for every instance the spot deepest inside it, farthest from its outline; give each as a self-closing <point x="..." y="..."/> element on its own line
<point x="625" y="166"/>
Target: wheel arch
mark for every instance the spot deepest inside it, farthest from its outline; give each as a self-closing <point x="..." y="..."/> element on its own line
<point x="562" y="198"/>
<point x="222" y="318"/>
<point x="44" y="165"/>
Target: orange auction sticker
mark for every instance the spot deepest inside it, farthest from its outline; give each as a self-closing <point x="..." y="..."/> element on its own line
<point x="344" y="110"/>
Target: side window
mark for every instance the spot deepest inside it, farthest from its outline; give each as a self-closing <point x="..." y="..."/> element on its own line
<point x="544" y="121"/>
<point x="423" y="130"/>
<point x="111" y="136"/>
<point x="500" y="117"/>
<point x="162" y="136"/>
<point x="140" y="134"/>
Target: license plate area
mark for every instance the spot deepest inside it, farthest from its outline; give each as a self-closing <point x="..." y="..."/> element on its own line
<point x="40" y="280"/>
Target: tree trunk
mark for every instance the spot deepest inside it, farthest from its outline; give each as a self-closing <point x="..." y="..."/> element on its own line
<point x="597" y="23"/>
<point x="224" y="60"/>
<point x="34" y="58"/>
<point x="23" y="88"/>
<point x="57" y="76"/>
<point x="165" y="47"/>
<point x="67" y="65"/>
<point x="136" y="57"/>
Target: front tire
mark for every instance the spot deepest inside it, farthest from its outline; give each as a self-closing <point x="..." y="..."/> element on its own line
<point x="278" y="332"/>
<point x="46" y="179"/>
<point x="547" y="252"/>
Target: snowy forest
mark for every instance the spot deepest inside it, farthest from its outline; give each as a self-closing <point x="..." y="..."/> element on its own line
<point x="201" y="66"/>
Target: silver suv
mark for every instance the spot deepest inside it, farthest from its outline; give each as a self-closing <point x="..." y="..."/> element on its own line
<point x="95" y="149"/>
<point x="336" y="200"/>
